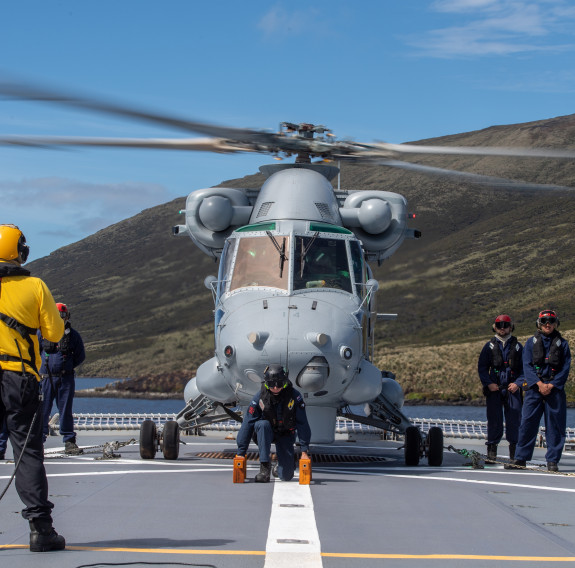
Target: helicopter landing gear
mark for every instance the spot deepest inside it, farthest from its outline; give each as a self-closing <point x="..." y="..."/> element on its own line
<point x="171" y="440"/>
<point x="148" y="440"/>
<point x="168" y="439"/>
<point x="412" y="446"/>
<point x="416" y="446"/>
<point x="434" y="446"/>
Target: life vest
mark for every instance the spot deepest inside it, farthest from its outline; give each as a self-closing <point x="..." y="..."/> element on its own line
<point x="25" y="331"/>
<point x="514" y="359"/>
<point x="554" y="358"/>
<point x="269" y="404"/>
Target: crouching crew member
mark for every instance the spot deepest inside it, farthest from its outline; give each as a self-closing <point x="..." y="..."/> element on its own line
<point x="26" y="305"/>
<point x="275" y="415"/>
<point x="546" y="364"/>
<point x="500" y="368"/>
<point x="58" y="379"/>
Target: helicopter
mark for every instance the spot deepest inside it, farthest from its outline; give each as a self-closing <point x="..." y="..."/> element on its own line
<point x="294" y="284"/>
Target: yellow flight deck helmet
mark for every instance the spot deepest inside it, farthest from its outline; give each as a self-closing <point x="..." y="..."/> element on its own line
<point x="13" y="244"/>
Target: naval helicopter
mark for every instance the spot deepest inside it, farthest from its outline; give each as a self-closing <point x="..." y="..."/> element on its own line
<point x="294" y="284"/>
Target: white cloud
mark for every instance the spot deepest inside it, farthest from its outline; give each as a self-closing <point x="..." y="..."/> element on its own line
<point x="279" y="22"/>
<point x="502" y="27"/>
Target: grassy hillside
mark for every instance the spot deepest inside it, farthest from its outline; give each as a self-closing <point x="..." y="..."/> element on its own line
<point x="138" y="298"/>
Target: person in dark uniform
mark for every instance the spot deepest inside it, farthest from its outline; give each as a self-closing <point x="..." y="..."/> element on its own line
<point x="275" y="415"/>
<point x="26" y="305"/>
<point x="546" y="365"/>
<point x="500" y="368"/>
<point x="58" y="379"/>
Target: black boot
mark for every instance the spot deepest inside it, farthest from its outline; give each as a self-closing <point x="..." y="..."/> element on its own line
<point x="72" y="449"/>
<point x="264" y="475"/>
<point x="44" y="538"/>
<point x="512" y="451"/>
<point x="491" y="453"/>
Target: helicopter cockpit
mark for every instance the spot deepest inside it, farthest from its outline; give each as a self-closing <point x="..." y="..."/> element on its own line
<point x="323" y="256"/>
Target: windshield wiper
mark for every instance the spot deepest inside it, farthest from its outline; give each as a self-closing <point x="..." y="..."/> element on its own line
<point x="304" y="251"/>
<point x="281" y="250"/>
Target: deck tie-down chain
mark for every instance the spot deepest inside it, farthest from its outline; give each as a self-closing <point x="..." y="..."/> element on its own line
<point x="106" y="449"/>
<point x="477" y="458"/>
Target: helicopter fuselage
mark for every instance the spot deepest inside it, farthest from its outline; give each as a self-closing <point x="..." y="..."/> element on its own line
<point x="294" y="288"/>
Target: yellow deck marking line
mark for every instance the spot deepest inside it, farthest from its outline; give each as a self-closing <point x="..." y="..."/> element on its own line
<point x="350" y="555"/>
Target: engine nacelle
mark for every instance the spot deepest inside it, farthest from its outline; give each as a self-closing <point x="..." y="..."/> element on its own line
<point x="211" y="216"/>
<point x="378" y="219"/>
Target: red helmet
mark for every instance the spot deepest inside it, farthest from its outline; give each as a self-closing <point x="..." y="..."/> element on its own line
<point x="547" y="315"/>
<point x="502" y="321"/>
<point x="63" y="309"/>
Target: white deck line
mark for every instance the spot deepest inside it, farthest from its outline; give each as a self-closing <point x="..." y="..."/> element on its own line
<point x="293" y="539"/>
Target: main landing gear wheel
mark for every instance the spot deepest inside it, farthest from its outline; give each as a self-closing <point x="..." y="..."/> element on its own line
<point x="412" y="445"/>
<point x="171" y="440"/>
<point x="148" y="440"/>
<point x="435" y="446"/>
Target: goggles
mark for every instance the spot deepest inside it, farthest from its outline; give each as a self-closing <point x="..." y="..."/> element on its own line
<point x="545" y="320"/>
<point x="275" y="383"/>
<point x="502" y="324"/>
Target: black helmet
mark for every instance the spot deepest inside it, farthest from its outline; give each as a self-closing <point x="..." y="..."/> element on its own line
<point x="275" y="376"/>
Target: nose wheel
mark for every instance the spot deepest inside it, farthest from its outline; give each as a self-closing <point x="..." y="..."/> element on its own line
<point x="416" y="447"/>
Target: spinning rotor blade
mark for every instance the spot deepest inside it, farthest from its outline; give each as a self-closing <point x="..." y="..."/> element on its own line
<point x="26" y="92"/>
<point x="473" y="150"/>
<point x="196" y="144"/>
<point x="490" y="181"/>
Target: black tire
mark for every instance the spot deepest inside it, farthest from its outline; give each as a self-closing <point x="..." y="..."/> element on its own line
<point x="148" y="440"/>
<point x="171" y="440"/>
<point x="435" y="446"/>
<point x="412" y="446"/>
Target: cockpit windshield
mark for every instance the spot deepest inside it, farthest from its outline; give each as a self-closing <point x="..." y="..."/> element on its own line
<point x="262" y="261"/>
<point x="320" y="263"/>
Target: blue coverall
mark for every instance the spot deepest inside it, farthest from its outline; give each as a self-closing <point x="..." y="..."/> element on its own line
<point x="553" y="405"/>
<point x="254" y="421"/>
<point x="58" y="383"/>
<point x="502" y="401"/>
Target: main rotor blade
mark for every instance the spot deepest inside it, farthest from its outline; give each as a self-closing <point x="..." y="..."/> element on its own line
<point x="28" y="92"/>
<point x="195" y="144"/>
<point x="490" y="181"/>
<point x="473" y="150"/>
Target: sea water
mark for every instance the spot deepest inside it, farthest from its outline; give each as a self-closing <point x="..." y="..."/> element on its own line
<point x="94" y="405"/>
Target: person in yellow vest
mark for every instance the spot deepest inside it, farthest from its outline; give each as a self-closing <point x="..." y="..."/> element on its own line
<point x="26" y="306"/>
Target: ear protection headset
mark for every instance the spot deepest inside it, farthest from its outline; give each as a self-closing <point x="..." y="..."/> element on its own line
<point x="275" y="376"/>
<point x="546" y="314"/>
<point x="503" y="321"/>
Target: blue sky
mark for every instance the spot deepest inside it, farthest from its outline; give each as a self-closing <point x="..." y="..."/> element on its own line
<point x="387" y="70"/>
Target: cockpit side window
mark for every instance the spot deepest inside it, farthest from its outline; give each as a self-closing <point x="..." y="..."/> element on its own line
<point x="358" y="269"/>
<point x="224" y="272"/>
<point x="261" y="261"/>
<point x="320" y="263"/>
